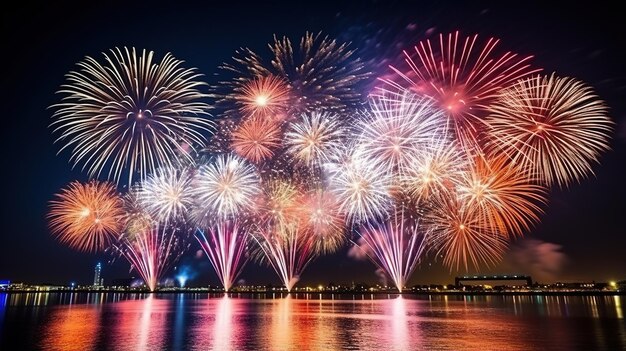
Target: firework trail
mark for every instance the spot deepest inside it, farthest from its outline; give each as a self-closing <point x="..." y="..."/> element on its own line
<point x="166" y="195"/>
<point x="151" y="252"/>
<point x="462" y="76"/>
<point x="225" y="187"/>
<point x="285" y="248"/>
<point x="130" y="114"/>
<point x="504" y="196"/>
<point x="86" y="217"/>
<point x="554" y="127"/>
<point x="394" y="246"/>
<point x="224" y="244"/>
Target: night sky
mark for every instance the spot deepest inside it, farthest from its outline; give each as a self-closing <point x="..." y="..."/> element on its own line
<point x="580" y="236"/>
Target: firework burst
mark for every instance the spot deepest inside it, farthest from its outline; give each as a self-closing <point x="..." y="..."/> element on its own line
<point x="166" y="195"/>
<point x="394" y="246"/>
<point x="320" y="216"/>
<point x="555" y="127"/>
<point x="314" y="138"/>
<point x="462" y="76"/>
<point x="279" y="203"/>
<point x="398" y="127"/>
<point x="256" y="139"/>
<point x="86" y="217"/>
<point x="436" y="168"/>
<point x="224" y="244"/>
<point x="136" y="219"/>
<point x="362" y="189"/>
<point x="458" y="234"/>
<point x="225" y="187"/>
<point x="130" y="114"/>
<point x="266" y="96"/>
<point x="320" y="73"/>
<point x="506" y="199"/>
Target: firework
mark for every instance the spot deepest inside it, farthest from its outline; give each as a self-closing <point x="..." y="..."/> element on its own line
<point x="362" y="188"/>
<point x="266" y="96"/>
<point x="130" y="114"/>
<point x="87" y="216"/>
<point x="458" y="233"/>
<point x="151" y="251"/>
<point x="167" y="195"/>
<point x="225" y="187"/>
<point x="320" y="74"/>
<point x="313" y="138"/>
<point x="555" y="127"/>
<point x="279" y="204"/>
<point x="136" y="219"/>
<point x="398" y="127"/>
<point x="462" y="76"/>
<point x="506" y="199"/>
<point x="286" y="248"/>
<point x="434" y="169"/>
<point x="255" y="139"/>
<point x="394" y="246"/>
<point x="320" y="216"/>
<point x="224" y="244"/>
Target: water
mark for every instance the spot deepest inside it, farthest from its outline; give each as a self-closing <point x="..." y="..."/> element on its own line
<point x="108" y="321"/>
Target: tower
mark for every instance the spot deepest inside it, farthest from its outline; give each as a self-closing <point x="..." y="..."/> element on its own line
<point x="96" y="275"/>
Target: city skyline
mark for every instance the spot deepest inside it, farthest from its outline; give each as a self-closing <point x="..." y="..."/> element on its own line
<point x="577" y="238"/>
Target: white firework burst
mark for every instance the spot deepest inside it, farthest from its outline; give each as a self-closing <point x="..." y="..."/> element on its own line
<point x="313" y="138"/>
<point x="225" y="187"/>
<point x="166" y="195"/>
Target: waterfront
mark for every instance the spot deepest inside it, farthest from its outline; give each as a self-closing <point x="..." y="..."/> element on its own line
<point x="103" y="321"/>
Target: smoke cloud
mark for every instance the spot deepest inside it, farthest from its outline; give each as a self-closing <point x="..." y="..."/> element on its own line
<point x="542" y="260"/>
<point x="360" y="250"/>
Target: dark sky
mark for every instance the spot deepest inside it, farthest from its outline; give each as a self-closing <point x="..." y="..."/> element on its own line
<point x="40" y="44"/>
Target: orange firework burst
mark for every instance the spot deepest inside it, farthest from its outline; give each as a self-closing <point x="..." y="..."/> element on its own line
<point x="462" y="76"/>
<point x="554" y="127"/>
<point x="279" y="205"/>
<point x="459" y="234"/>
<point x="86" y="217"/>
<point x="255" y="139"/>
<point x="323" y="220"/>
<point x="508" y="203"/>
<point x="267" y="95"/>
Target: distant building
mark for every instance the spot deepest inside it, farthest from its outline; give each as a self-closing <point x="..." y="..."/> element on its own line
<point x="4" y="284"/>
<point x="97" y="281"/>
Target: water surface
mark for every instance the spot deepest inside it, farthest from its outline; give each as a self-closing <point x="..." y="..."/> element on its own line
<point x="110" y="321"/>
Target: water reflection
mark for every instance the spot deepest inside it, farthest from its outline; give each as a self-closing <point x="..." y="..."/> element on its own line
<point x="400" y="325"/>
<point x="310" y="322"/>
<point x="72" y="328"/>
<point x="140" y="324"/>
<point x="3" y="303"/>
<point x="218" y="324"/>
